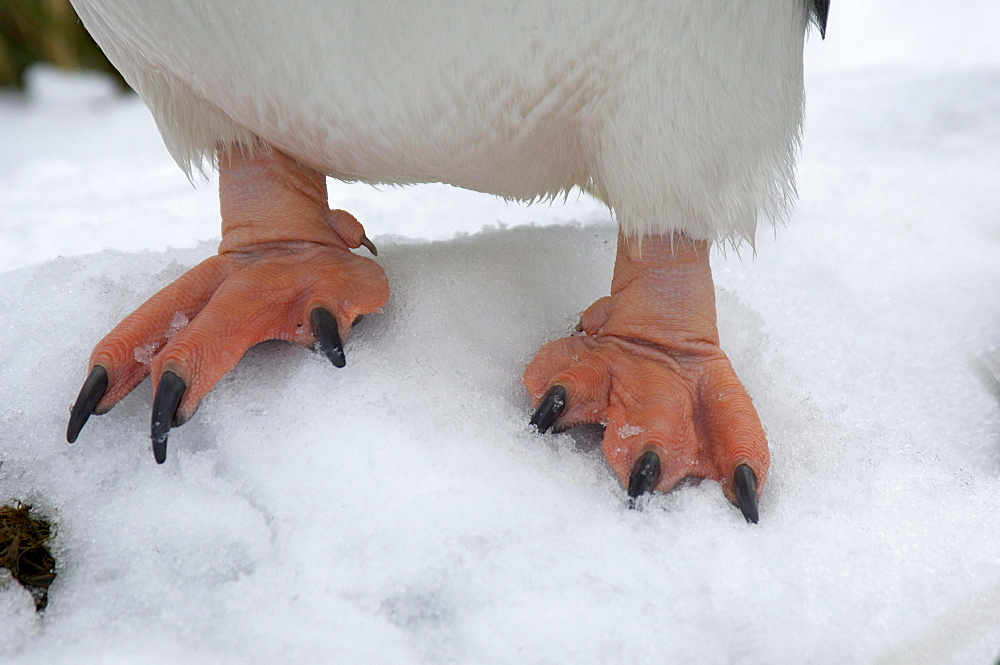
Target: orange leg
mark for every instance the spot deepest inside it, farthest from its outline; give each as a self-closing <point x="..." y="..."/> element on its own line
<point x="649" y="368"/>
<point x="284" y="270"/>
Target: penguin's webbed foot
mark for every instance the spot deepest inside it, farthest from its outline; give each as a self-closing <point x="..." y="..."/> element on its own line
<point x="285" y="270"/>
<point x="649" y="368"/>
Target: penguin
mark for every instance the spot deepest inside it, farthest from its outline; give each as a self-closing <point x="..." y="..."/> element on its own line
<point x="683" y="116"/>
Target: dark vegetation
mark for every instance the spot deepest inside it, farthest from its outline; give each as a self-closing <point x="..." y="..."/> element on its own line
<point x="48" y="31"/>
<point x="24" y="550"/>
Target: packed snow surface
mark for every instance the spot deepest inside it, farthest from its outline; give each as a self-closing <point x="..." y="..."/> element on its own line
<point x="401" y="510"/>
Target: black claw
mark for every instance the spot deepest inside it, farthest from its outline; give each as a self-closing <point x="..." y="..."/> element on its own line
<point x="746" y="492"/>
<point x="324" y="326"/>
<point x="369" y="245"/>
<point x="168" y="396"/>
<point x="90" y="394"/>
<point x="645" y="473"/>
<point x="549" y="408"/>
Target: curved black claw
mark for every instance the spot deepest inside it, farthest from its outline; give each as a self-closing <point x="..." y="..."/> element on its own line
<point x="369" y="245"/>
<point x="324" y="326"/>
<point x="549" y="408"/>
<point x="168" y="396"/>
<point x="645" y="473"/>
<point x="746" y="492"/>
<point x="90" y="394"/>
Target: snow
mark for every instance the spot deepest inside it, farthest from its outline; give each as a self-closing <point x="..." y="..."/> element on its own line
<point x="400" y="510"/>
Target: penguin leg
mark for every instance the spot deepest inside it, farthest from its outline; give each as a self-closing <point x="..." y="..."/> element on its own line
<point x="285" y="270"/>
<point x="649" y="368"/>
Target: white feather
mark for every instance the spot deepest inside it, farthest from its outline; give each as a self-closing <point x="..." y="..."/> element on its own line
<point x="682" y="115"/>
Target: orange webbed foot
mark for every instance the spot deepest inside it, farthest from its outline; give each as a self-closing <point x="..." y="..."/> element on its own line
<point x="285" y="270"/>
<point x="649" y="368"/>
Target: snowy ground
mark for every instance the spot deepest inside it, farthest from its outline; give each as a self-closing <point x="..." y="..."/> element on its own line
<point x="401" y="510"/>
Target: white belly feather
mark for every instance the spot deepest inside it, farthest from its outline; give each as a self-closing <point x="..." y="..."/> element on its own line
<point x="681" y="114"/>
